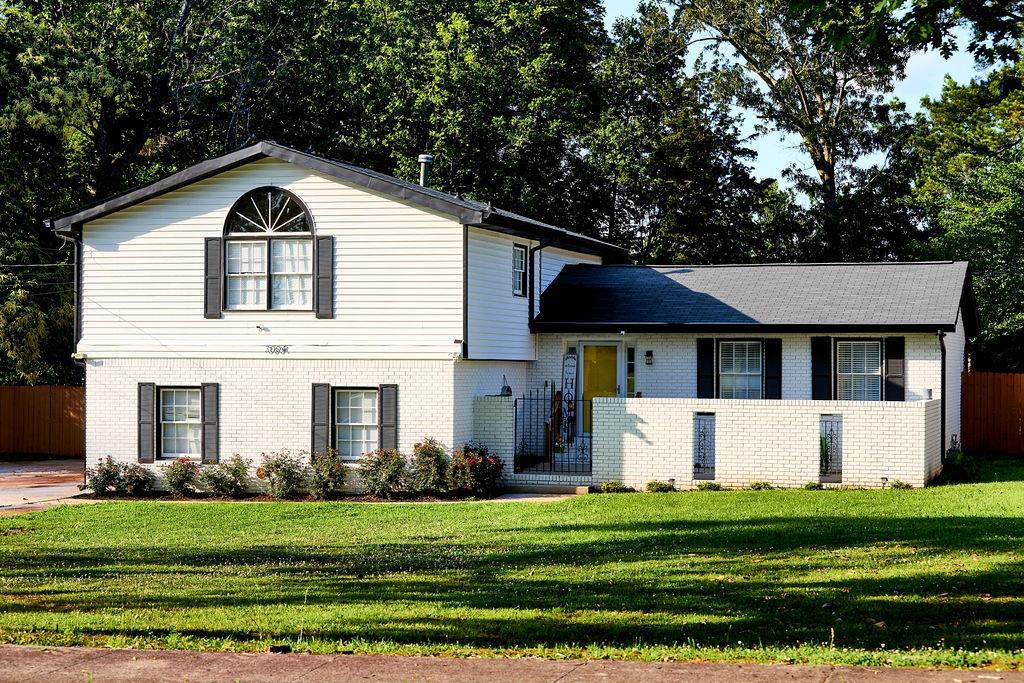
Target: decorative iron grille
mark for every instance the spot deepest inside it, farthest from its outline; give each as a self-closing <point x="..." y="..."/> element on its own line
<point x="831" y="448"/>
<point x="547" y="437"/>
<point x="704" y="446"/>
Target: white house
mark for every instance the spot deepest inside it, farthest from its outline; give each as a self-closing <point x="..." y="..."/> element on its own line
<point x="271" y="299"/>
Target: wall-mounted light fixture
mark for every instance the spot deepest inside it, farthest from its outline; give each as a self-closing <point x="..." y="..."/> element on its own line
<point x="648" y="357"/>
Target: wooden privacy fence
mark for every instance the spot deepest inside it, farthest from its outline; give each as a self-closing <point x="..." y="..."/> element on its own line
<point x="46" y="420"/>
<point x="992" y="408"/>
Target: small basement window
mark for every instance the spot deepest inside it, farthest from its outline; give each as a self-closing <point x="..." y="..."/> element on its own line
<point x="519" y="280"/>
<point x="355" y="423"/>
<point x="180" y="423"/>
<point x="739" y="369"/>
<point x="859" y="370"/>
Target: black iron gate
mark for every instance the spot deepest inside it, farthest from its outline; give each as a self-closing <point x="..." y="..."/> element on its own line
<point x="548" y="435"/>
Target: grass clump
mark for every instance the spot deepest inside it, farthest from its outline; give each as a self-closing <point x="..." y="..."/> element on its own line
<point x="660" y="487"/>
<point x="611" y="486"/>
<point x="709" y="486"/>
<point x="761" y="486"/>
<point x="813" y="486"/>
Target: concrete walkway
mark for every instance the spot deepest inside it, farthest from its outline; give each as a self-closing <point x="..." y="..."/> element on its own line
<point x="59" y="664"/>
<point x="36" y="484"/>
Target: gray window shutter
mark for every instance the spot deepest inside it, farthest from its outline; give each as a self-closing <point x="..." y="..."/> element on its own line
<point x="388" y="416"/>
<point x="321" y="424"/>
<point x="895" y="380"/>
<point x="211" y="423"/>
<point x="705" y="368"/>
<point x="821" y="368"/>
<point x="325" y="277"/>
<point x="214" y="271"/>
<point x="773" y="368"/>
<point x="147" y="422"/>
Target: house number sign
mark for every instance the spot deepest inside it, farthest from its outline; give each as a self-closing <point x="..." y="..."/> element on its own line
<point x="276" y="349"/>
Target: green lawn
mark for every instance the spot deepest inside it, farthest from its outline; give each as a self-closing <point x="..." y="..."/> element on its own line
<point x="932" y="576"/>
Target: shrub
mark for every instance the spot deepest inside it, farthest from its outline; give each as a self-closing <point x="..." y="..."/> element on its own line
<point x="181" y="476"/>
<point x="229" y="478"/>
<point x="383" y="472"/>
<point x="615" y="487"/>
<point x="960" y="467"/>
<point x="900" y="486"/>
<point x="285" y="474"/>
<point x="660" y="487"/>
<point x="709" y="486"/>
<point x="136" y="480"/>
<point x="106" y="478"/>
<point x="473" y="470"/>
<point x="429" y="466"/>
<point x="761" y="486"/>
<point x="327" y="476"/>
<point x="813" y="486"/>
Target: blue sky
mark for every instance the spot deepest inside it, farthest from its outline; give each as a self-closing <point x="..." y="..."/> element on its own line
<point x="925" y="74"/>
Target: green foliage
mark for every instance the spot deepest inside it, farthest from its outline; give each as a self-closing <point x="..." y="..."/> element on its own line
<point x="660" y="487"/>
<point x="287" y="475"/>
<point x="899" y="485"/>
<point x="181" y="476"/>
<point x="105" y="478"/>
<point x="229" y="478"/>
<point x="474" y="471"/>
<point x="610" y="486"/>
<point x="383" y="473"/>
<point x="136" y="480"/>
<point x="327" y="475"/>
<point x="709" y="486"/>
<point x="761" y="486"/>
<point x="960" y="467"/>
<point x="429" y="467"/>
<point x="813" y="486"/>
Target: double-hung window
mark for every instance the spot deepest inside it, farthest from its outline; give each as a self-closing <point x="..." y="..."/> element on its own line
<point x="519" y="270"/>
<point x="269" y="253"/>
<point x="739" y="369"/>
<point x="859" y="370"/>
<point x="180" y="423"/>
<point x="355" y="422"/>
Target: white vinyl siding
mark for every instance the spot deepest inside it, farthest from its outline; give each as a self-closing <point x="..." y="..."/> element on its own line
<point x="397" y="285"/>
<point x="859" y="370"/>
<point x="499" y="327"/>
<point x="355" y="423"/>
<point x="180" y="423"/>
<point x="739" y="369"/>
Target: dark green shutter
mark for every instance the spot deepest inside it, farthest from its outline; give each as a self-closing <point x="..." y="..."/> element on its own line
<point x="214" y="272"/>
<point x="895" y="380"/>
<point x="321" y="429"/>
<point x="705" y="368"/>
<point x="147" y="422"/>
<point x="325" y="277"/>
<point x="388" y="416"/>
<point x="773" y="368"/>
<point x="821" y="368"/>
<point x="210" y="402"/>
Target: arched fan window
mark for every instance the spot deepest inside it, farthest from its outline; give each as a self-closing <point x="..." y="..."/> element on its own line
<point x="268" y="253"/>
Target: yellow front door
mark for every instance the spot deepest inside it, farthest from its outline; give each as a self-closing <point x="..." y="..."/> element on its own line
<point x="600" y="377"/>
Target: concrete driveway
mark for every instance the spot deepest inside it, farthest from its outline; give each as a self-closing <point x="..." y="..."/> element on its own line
<point x="37" y="484"/>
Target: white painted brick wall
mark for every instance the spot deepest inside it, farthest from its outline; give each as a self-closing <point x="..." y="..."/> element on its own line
<point x="484" y="378"/>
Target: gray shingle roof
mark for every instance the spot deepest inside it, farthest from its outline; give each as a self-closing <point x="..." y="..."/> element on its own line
<point x="923" y="296"/>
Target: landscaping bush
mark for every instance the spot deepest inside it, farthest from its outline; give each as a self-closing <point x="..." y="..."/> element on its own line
<point x="383" y="472"/>
<point x="106" y="478"/>
<point x="285" y="474"/>
<point x="709" y="486"/>
<point x="230" y="478"/>
<point x="429" y="467"/>
<point x="813" y="486"/>
<point x="900" y="486"/>
<point x="473" y="470"/>
<point x="327" y="476"/>
<point x="181" y="476"/>
<point x="960" y="467"/>
<point x="660" y="487"/>
<point x="615" y="487"/>
<point x="761" y="486"/>
<point x="136" y="480"/>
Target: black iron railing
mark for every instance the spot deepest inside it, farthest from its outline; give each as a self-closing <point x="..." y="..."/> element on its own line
<point x="831" y="448"/>
<point x="704" y="446"/>
<point x="549" y="433"/>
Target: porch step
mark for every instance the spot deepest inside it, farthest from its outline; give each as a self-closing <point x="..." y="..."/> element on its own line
<point x="547" y="488"/>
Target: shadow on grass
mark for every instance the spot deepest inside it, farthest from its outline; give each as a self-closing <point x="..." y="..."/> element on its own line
<point x="773" y="581"/>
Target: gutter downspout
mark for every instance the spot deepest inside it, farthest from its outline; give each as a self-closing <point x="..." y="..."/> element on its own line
<point x="942" y="392"/>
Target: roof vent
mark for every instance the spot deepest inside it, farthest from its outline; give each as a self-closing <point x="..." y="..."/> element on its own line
<point x="425" y="161"/>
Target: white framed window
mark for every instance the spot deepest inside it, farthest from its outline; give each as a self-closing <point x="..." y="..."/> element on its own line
<point x="291" y="274"/>
<point x="246" y="274"/>
<point x="519" y="269"/>
<point x="180" y="423"/>
<point x="859" y="370"/>
<point x="355" y="422"/>
<point x="739" y="369"/>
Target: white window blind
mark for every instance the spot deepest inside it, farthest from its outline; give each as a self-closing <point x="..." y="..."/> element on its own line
<point x="859" y="370"/>
<point x="739" y="369"/>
